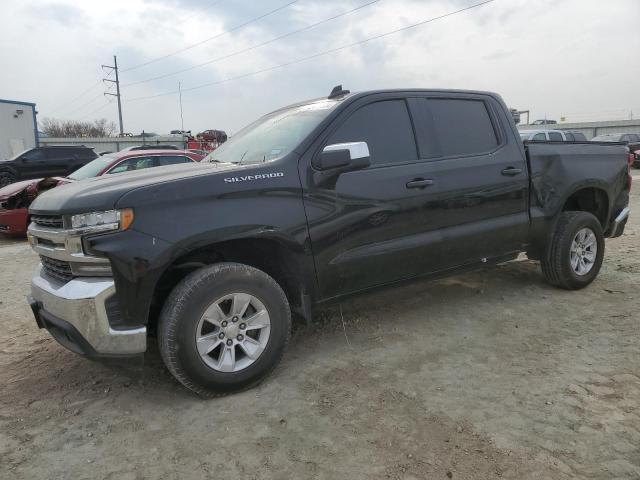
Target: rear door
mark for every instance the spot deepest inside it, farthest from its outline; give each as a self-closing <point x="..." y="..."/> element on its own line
<point x="479" y="206"/>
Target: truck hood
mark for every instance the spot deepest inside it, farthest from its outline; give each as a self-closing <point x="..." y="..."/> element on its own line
<point x="102" y="193"/>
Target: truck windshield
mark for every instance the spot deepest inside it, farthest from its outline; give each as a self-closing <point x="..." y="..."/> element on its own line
<point x="273" y="135"/>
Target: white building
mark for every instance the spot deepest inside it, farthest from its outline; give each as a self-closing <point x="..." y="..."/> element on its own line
<point x="18" y="127"/>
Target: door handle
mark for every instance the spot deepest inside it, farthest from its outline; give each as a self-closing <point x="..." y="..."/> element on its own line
<point x="419" y="183"/>
<point x="511" y="171"/>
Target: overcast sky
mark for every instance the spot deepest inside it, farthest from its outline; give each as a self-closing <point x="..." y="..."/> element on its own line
<point x="574" y="58"/>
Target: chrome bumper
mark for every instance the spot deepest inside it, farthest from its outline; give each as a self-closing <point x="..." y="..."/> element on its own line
<point x="80" y="303"/>
<point x="618" y="224"/>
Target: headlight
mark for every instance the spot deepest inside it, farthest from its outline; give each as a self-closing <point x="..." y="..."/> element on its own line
<point x="107" y="221"/>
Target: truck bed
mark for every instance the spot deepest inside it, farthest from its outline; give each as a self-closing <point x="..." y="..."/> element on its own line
<point x="559" y="169"/>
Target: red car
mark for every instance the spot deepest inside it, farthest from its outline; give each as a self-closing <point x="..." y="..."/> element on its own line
<point x="16" y="197"/>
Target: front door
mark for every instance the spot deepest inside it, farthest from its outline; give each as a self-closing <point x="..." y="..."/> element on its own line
<point x="364" y="225"/>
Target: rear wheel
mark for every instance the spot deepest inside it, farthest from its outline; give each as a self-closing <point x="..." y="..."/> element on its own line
<point x="6" y="178"/>
<point x="224" y="328"/>
<point x="574" y="255"/>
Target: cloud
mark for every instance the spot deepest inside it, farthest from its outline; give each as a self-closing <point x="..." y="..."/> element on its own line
<point x="557" y="58"/>
<point x="65" y="14"/>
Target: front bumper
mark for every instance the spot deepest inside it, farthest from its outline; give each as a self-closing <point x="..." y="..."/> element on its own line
<point x="13" y="222"/>
<point x="75" y="314"/>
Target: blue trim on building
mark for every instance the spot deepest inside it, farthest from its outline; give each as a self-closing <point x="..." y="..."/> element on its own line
<point x="16" y="102"/>
<point x="35" y="122"/>
<point x="35" y="126"/>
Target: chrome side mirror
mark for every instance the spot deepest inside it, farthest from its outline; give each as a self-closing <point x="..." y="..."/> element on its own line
<point x="345" y="156"/>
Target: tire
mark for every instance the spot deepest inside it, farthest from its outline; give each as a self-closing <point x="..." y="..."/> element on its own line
<point x="6" y="178"/>
<point x="557" y="264"/>
<point x="182" y="320"/>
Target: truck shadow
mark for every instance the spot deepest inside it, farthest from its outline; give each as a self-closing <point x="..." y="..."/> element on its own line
<point x="146" y="377"/>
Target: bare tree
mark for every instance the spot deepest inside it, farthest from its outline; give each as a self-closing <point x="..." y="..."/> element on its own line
<point x="73" y="128"/>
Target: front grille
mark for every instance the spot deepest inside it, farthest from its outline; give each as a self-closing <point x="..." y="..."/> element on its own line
<point x="51" y="221"/>
<point x="57" y="269"/>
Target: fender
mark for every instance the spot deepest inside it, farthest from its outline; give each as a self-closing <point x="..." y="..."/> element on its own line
<point x="171" y="222"/>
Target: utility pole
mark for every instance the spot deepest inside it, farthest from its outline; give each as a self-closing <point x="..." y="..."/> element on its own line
<point x="114" y="67"/>
<point x="181" y="115"/>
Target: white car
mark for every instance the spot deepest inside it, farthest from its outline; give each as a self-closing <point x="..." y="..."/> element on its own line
<point x="553" y="135"/>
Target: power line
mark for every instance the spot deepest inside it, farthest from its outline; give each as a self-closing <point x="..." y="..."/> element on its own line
<point x="189" y="47"/>
<point x="93" y="100"/>
<point x="253" y="47"/>
<point x="101" y="107"/>
<point x="319" y="54"/>
<point x="78" y="97"/>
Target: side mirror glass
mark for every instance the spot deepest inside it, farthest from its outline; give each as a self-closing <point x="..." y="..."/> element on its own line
<point x="353" y="155"/>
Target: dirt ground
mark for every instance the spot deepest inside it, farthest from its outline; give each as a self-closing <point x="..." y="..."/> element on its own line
<point x="488" y="375"/>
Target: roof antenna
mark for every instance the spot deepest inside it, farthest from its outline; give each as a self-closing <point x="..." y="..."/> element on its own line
<point x="337" y="92"/>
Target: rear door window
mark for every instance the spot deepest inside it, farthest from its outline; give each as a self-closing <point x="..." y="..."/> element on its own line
<point x="579" y="137"/>
<point x="462" y="126"/>
<point x="569" y="136"/>
<point x="387" y="129"/>
<point x="555" y="136"/>
<point x="134" y="163"/>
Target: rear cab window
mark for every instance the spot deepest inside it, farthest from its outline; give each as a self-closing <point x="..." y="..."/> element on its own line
<point x="448" y="127"/>
<point x="555" y="137"/>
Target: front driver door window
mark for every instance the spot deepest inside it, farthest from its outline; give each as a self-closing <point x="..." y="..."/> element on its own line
<point x="362" y="223"/>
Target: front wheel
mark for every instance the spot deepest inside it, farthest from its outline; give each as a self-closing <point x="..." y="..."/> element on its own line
<point x="224" y="328"/>
<point x="575" y="252"/>
<point x="6" y="178"/>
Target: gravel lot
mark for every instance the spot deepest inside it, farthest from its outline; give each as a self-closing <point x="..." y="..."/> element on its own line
<point x="492" y="374"/>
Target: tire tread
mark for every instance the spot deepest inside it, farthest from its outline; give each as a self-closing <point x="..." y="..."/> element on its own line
<point x="179" y="298"/>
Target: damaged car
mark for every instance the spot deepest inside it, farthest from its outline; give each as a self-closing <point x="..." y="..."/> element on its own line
<point x="15" y="198"/>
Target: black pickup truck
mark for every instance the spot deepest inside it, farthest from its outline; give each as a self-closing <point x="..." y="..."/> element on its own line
<point x="308" y="204"/>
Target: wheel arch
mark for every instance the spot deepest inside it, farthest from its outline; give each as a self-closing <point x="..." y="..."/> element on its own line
<point x="591" y="199"/>
<point x="281" y="259"/>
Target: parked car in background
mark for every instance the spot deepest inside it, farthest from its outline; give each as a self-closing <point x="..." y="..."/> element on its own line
<point x="544" y="122"/>
<point x="49" y="161"/>
<point x="150" y="147"/>
<point x="552" y="135"/>
<point x="632" y="140"/>
<point x="16" y="198"/>
<point x="575" y="136"/>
